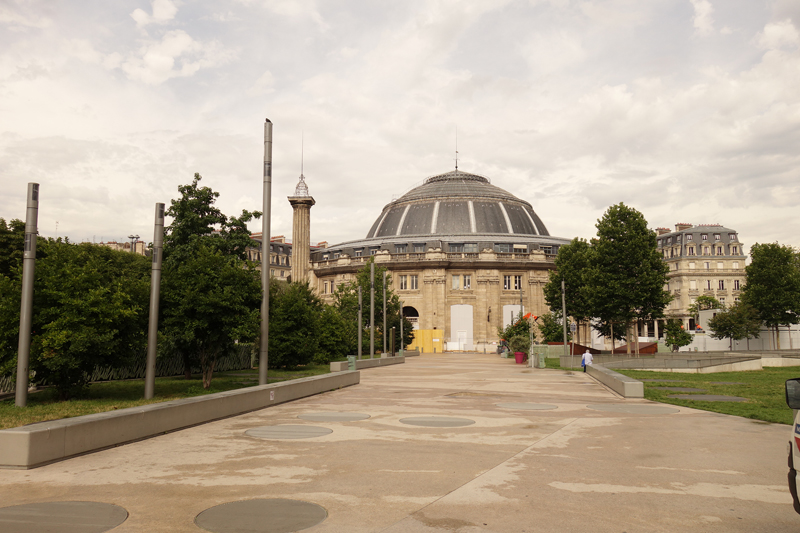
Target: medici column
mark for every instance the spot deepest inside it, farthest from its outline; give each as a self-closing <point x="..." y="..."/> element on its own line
<point x="301" y="230"/>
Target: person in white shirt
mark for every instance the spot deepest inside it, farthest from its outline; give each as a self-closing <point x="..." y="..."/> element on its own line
<point x="586" y="360"/>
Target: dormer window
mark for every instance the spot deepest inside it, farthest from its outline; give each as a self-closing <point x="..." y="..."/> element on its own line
<point x="689" y="237"/>
<point x="704" y="236"/>
<point x="717" y="236"/>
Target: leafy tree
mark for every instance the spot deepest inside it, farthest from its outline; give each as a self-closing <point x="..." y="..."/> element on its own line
<point x="346" y="301"/>
<point x="552" y="328"/>
<point x="210" y="300"/>
<point x="703" y="303"/>
<point x="572" y="267"/>
<point x="521" y="327"/>
<point x="675" y="335"/>
<point x="772" y="287"/>
<point x="626" y="280"/>
<point x="89" y="309"/>
<point x="202" y="236"/>
<point x="333" y="333"/>
<point x="739" y="322"/>
<point x="12" y="242"/>
<point x="294" y="322"/>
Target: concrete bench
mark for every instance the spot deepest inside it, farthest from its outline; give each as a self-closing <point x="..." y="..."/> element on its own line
<point x="47" y="442"/>
<point x="623" y="385"/>
<point x="361" y="364"/>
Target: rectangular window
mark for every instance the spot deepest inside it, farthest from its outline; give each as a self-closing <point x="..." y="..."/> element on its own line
<point x="722" y="284"/>
<point x="691" y="250"/>
<point x="456" y="282"/>
<point x="693" y="284"/>
<point x="736" y="284"/>
<point x="732" y="237"/>
<point x="691" y="266"/>
<point x="373" y="251"/>
<point x="282" y="272"/>
<point x="336" y="255"/>
<point x="333" y="285"/>
<point x="400" y="248"/>
<point x="720" y="266"/>
<point x="689" y="237"/>
<point x="706" y="251"/>
<point x="678" y="239"/>
<point x="708" y="284"/>
<point x="419" y="248"/>
<point x="707" y="265"/>
<point x="403" y="283"/>
<point x="359" y="252"/>
<point x="467" y="281"/>
<point x="734" y="250"/>
<point x="503" y="248"/>
<point x="517" y="283"/>
<point x="413" y="280"/>
<point x="507" y="283"/>
<point x="457" y="248"/>
<point x="722" y="302"/>
<point x="720" y="251"/>
<point x="547" y="249"/>
<point x="325" y="287"/>
<point x="716" y="236"/>
<point x="736" y="264"/>
<point x="704" y="237"/>
<point x="471" y="248"/>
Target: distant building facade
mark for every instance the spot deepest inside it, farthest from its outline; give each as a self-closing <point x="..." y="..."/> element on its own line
<point x="704" y="260"/>
<point x="464" y="256"/>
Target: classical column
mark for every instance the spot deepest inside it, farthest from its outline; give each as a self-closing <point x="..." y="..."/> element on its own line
<point x="301" y="230"/>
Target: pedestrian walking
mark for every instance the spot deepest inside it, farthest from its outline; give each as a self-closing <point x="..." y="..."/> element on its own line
<point x="586" y="360"/>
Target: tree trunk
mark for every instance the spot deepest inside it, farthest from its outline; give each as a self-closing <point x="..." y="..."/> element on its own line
<point x="187" y="367"/>
<point x="638" y="326"/>
<point x="628" y="338"/>
<point x="612" y="338"/>
<point x="777" y="337"/>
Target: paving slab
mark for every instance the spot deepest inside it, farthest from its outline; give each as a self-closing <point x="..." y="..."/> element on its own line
<point x="597" y="462"/>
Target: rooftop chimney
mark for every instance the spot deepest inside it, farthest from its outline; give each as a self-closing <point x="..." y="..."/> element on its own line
<point x="682" y="226"/>
<point x="662" y="231"/>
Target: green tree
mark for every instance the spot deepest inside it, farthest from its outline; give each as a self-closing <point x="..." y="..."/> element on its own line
<point x="346" y="301"/>
<point x="333" y="333"/>
<point x="520" y="327"/>
<point x="703" y="303"/>
<point x="675" y="336"/>
<point x="12" y="241"/>
<point x="572" y="263"/>
<point x="552" y="329"/>
<point x="627" y="277"/>
<point x="210" y="300"/>
<point x="90" y="308"/>
<point x="294" y="323"/>
<point x="772" y="287"/>
<point x="739" y="322"/>
<point x="201" y="235"/>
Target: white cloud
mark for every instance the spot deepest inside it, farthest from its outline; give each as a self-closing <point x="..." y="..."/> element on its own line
<point x="263" y="85"/>
<point x="779" y="35"/>
<point x="175" y="55"/>
<point x="19" y="15"/>
<point x="703" y="20"/>
<point x="163" y="12"/>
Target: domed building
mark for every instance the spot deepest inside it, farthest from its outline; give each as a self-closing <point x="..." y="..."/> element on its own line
<point x="463" y="254"/>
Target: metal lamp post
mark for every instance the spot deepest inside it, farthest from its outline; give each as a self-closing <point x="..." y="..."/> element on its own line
<point x="263" y="359"/>
<point x="155" y="291"/>
<point x="26" y="304"/>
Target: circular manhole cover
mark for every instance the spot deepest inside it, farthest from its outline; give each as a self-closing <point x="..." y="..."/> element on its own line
<point x="437" y="421"/>
<point x="64" y="517"/>
<point x="636" y="409"/>
<point x="333" y="417"/>
<point x="262" y="516"/>
<point x="528" y="406"/>
<point x="287" y="432"/>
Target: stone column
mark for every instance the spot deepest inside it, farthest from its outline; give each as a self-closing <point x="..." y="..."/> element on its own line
<point x="301" y="236"/>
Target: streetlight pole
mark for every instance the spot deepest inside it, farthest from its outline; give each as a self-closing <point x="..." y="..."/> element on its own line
<point x="372" y="309"/>
<point x="564" y="320"/>
<point x="385" y="272"/>
<point x="360" y="326"/>
<point x="263" y="359"/>
<point x="155" y="290"/>
<point x="26" y="304"/>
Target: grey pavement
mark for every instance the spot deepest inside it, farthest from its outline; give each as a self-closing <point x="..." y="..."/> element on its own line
<point x="572" y="468"/>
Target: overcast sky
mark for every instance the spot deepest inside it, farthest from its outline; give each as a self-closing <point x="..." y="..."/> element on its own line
<point x="687" y="110"/>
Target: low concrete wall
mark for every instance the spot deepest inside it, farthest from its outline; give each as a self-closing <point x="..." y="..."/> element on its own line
<point x="47" y="442"/>
<point x="707" y="365"/>
<point x="340" y="366"/>
<point x="623" y="385"/>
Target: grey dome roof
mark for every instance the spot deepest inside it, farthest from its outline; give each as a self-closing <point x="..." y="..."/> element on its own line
<point x="457" y="203"/>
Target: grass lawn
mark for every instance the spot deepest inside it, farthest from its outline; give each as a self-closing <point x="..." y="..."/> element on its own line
<point x="111" y="395"/>
<point x="764" y="390"/>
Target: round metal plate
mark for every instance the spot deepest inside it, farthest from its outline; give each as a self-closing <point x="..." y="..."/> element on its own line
<point x="262" y="516"/>
<point x="287" y="431"/>
<point x="437" y="421"/>
<point x="635" y="409"/>
<point x="333" y="417"/>
<point x="527" y="406"/>
<point x="64" y="517"/>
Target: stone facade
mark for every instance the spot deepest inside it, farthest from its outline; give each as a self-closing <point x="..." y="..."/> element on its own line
<point x="704" y="260"/>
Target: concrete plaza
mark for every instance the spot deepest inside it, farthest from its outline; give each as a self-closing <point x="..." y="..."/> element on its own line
<point x="568" y="468"/>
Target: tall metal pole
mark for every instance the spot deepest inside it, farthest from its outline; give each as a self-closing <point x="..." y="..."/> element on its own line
<point x="263" y="359"/>
<point x="155" y="291"/>
<point x="360" y="325"/>
<point x="402" y="344"/>
<point x="26" y="304"/>
<point x="564" y="320"/>
<point x="372" y="309"/>
<point x="384" y="310"/>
